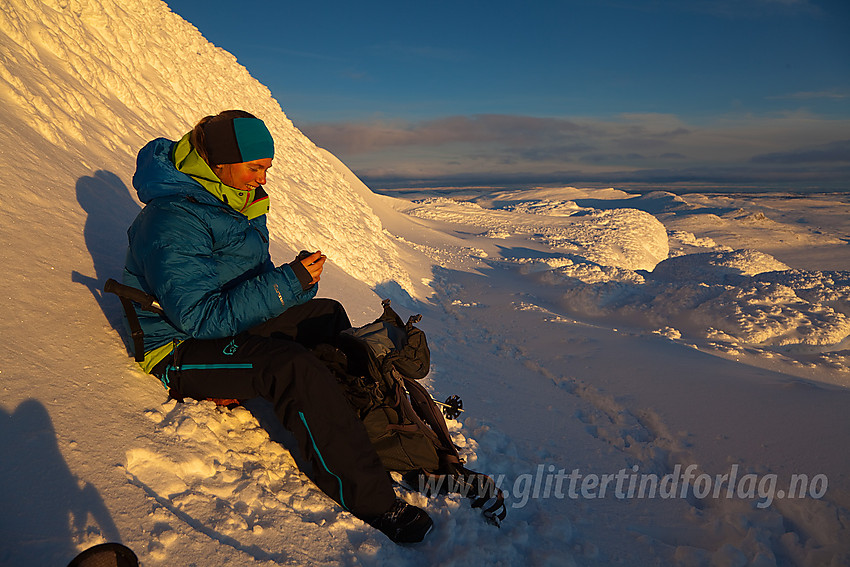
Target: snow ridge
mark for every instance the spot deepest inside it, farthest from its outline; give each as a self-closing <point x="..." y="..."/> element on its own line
<point x="105" y="77"/>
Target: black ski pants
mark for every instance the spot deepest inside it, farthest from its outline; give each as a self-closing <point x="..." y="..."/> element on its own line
<point x="272" y="361"/>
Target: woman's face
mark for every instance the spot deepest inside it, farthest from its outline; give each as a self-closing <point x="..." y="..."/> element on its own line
<point x="244" y="176"/>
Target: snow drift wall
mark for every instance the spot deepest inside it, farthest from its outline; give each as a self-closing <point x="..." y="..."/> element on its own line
<point x="84" y="84"/>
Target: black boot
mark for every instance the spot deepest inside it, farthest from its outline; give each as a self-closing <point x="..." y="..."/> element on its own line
<point x="403" y="523"/>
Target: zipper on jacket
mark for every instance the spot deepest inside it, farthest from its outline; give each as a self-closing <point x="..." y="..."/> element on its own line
<point x="263" y="236"/>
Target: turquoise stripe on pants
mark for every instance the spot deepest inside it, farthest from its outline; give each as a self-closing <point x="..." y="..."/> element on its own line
<point x="322" y="459"/>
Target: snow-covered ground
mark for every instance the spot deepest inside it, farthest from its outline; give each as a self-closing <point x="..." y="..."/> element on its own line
<point x="650" y="377"/>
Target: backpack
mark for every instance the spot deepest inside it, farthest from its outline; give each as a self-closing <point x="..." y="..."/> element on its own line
<point x="378" y="367"/>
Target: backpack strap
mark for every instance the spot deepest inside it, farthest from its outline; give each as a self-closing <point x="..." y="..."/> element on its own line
<point x="146" y="301"/>
<point x="423" y="406"/>
<point x="423" y="422"/>
<point x="452" y="475"/>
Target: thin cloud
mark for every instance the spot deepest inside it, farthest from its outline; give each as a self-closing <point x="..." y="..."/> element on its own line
<point x="563" y="153"/>
<point x="792" y="179"/>
<point x="613" y="158"/>
<point x="528" y="132"/>
<point x="354" y="75"/>
<point x="834" y="94"/>
<point x="364" y="137"/>
<point x="748" y="9"/>
<point x="422" y="52"/>
<point x="270" y="51"/>
<point x="482" y="149"/>
<point x="833" y="152"/>
<point x="729" y="9"/>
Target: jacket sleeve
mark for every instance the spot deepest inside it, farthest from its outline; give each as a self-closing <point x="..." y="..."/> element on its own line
<point x="180" y="267"/>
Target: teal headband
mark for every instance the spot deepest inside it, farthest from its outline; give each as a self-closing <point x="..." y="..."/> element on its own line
<point x="237" y="140"/>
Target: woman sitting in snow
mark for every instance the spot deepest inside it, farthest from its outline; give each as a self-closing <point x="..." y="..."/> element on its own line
<point x="234" y="326"/>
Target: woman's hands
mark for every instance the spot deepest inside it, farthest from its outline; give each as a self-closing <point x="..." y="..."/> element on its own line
<point x="314" y="262"/>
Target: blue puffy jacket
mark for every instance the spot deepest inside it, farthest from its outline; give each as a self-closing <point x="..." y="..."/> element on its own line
<point x="206" y="263"/>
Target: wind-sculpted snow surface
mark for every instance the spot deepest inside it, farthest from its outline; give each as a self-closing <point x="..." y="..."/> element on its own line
<point x="231" y="484"/>
<point x="613" y="263"/>
<point x="625" y="238"/>
<point x="716" y="267"/>
<point x="724" y="296"/>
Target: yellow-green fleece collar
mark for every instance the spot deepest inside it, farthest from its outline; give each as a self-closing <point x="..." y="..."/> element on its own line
<point x="252" y="204"/>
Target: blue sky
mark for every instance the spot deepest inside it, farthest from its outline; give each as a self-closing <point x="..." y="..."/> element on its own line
<point x="572" y="92"/>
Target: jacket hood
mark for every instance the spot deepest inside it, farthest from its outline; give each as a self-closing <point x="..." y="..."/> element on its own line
<point x="156" y="175"/>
